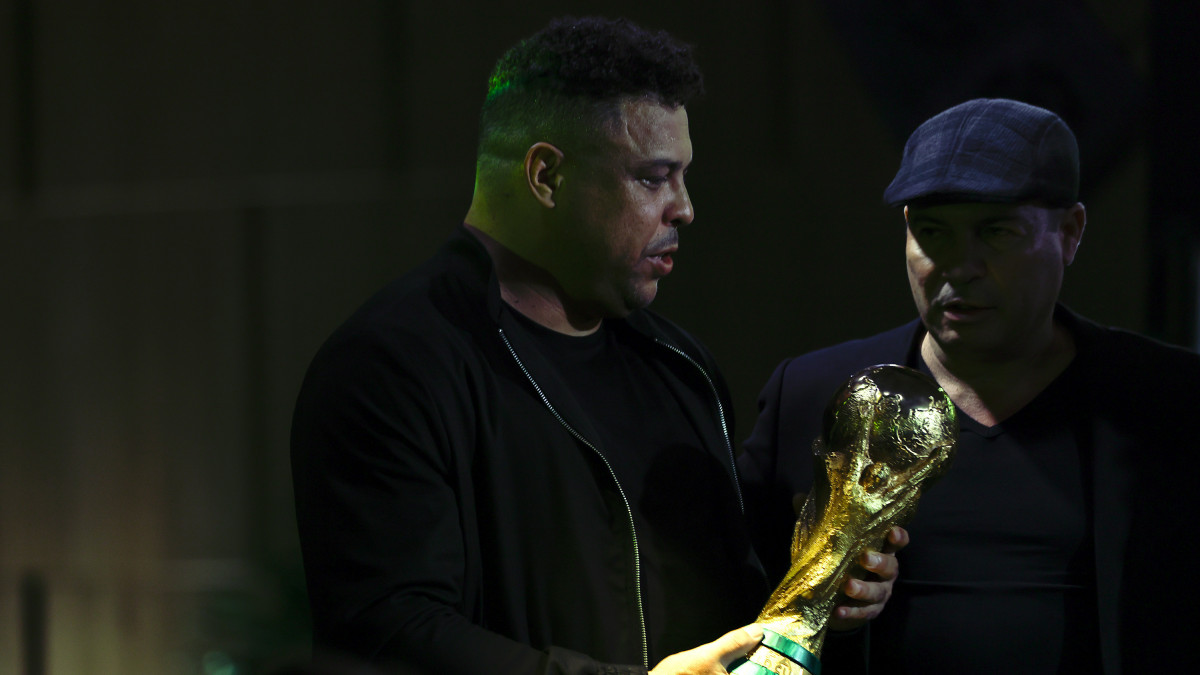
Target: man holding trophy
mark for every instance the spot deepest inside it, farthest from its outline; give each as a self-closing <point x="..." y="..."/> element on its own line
<point x="504" y="462"/>
<point x="1052" y="545"/>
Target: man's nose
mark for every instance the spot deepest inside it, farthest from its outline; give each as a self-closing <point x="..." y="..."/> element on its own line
<point x="965" y="261"/>
<point x="681" y="209"/>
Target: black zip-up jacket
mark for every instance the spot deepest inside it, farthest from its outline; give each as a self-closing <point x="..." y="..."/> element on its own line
<point x="456" y="509"/>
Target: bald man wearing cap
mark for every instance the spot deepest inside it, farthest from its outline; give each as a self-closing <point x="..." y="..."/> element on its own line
<point x="1055" y="542"/>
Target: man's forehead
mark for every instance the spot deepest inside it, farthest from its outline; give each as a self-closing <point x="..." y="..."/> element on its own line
<point x="975" y="212"/>
<point x="652" y="130"/>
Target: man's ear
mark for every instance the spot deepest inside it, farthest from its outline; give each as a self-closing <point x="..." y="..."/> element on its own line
<point x="1071" y="230"/>
<point x="543" y="172"/>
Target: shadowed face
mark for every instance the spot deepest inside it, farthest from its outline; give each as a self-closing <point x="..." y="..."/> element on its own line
<point x="623" y="203"/>
<point x="985" y="277"/>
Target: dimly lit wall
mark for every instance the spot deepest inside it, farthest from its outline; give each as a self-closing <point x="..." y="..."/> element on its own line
<point x="194" y="194"/>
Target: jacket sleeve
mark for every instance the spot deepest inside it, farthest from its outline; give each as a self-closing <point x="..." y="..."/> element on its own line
<point x="384" y="525"/>
<point x="770" y="516"/>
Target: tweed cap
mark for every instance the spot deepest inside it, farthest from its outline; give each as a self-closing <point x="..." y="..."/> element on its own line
<point x="989" y="150"/>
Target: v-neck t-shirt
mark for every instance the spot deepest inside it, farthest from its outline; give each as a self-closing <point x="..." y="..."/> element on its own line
<point x="999" y="575"/>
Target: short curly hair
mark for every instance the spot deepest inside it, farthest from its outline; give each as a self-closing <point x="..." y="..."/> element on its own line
<point x="570" y="77"/>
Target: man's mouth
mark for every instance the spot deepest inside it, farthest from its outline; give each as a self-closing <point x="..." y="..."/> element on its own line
<point x="662" y="261"/>
<point x="962" y="310"/>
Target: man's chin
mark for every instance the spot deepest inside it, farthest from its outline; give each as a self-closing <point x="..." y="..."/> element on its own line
<point x="619" y="306"/>
<point x="977" y="345"/>
<point x="642" y="298"/>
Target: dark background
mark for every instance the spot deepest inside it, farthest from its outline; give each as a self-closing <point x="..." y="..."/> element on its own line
<point x="194" y="194"/>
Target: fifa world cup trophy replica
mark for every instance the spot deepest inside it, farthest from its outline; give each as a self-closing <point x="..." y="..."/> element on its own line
<point x="888" y="433"/>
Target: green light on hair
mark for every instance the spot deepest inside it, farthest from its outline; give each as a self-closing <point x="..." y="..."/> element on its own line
<point x="497" y="85"/>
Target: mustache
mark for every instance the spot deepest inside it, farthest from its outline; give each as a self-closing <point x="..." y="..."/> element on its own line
<point x="951" y="297"/>
<point x="667" y="241"/>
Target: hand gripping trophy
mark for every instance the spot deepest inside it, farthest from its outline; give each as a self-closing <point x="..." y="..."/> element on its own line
<point x="888" y="433"/>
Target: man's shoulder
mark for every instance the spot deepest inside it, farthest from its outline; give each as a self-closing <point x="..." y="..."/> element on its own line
<point x="1124" y="354"/>
<point x="894" y="343"/>
<point x="817" y="374"/>
<point x="1141" y="388"/>
<point x="846" y="358"/>
<point x="429" y="309"/>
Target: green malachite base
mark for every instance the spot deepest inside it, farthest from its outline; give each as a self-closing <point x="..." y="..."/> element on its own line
<point x="777" y="655"/>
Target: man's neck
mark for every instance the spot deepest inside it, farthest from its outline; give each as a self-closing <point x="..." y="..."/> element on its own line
<point x="532" y="291"/>
<point x="990" y="391"/>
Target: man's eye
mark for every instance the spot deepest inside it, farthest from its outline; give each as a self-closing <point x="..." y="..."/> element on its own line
<point x="654" y="181"/>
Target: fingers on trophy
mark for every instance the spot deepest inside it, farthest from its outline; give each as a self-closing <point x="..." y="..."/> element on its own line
<point x="888" y="433"/>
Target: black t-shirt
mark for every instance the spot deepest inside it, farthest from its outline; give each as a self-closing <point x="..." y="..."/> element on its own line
<point x="676" y="489"/>
<point x="999" y="574"/>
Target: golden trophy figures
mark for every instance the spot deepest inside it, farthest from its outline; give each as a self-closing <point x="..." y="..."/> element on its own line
<point x="887" y="434"/>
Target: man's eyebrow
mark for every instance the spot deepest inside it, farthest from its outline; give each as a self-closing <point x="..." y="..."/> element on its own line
<point x="672" y="164"/>
<point x="990" y="219"/>
<point x="998" y="218"/>
<point x="924" y="218"/>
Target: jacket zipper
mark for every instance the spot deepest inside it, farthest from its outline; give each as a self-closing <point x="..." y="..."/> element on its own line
<point x="737" y="483"/>
<point x="637" y="561"/>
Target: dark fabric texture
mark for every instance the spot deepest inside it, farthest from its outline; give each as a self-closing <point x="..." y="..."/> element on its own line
<point x="1135" y="406"/>
<point x="456" y="511"/>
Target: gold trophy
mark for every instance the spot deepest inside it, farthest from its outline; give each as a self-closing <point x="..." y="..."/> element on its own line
<point x="888" y="433"/>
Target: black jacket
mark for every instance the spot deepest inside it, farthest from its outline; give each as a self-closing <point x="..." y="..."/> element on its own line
<point x="456" y="512"/>
<point x="1141" y="398"/>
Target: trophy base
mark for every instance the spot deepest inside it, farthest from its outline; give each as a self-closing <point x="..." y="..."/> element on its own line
<point x="777" y="655"/>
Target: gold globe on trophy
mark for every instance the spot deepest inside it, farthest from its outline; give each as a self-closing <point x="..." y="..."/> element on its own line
<point x="888" y="433"/>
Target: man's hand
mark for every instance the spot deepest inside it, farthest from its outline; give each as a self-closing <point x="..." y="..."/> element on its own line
<point x="714" y="657"/>
<point x="866" y="597"/>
